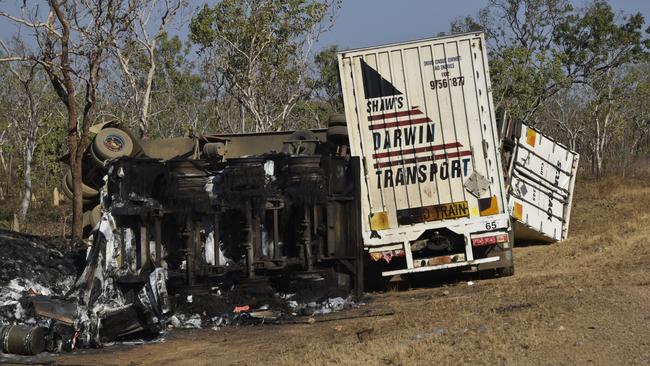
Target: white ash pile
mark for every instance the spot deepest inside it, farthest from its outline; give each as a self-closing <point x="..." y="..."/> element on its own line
<point x="32" y="266"/>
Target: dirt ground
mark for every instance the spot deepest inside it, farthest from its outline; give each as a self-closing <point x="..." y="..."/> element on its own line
<point x="583" y="301"/>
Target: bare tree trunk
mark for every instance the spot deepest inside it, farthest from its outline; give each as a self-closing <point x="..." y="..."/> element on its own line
<point x="30" y="145"/>
<point x="602" y="135"/>
<point x="10" y="172"/>
<point x="66" y="90"/>
<point x="27" y="180"/>
<point x="599" y="162"/>
<point x="77" y="202"/>
<point x="75" y="168"/>
<point x="605" y="136"/>
<point x="596" y="149"/>
<point x="242" y="117"/>
<point x="144" y="112"/>
<point x="573" y="141"/>
<point x="3" y="161"/>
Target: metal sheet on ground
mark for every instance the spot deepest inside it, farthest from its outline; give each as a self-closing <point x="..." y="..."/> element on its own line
<point x="362" y="312"/>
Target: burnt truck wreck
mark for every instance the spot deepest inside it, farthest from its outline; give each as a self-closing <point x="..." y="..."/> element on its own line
<point x="209" y="230"/>
<point x="409" y="180"/>
<point x="221" y="229"/>
<point x="416" y="176"/>
<point x="245" y="207"/>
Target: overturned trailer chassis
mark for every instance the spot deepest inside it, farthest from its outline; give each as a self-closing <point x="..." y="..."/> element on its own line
<point x="272" y="219"/>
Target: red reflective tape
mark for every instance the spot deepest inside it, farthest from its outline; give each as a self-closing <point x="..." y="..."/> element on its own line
<point x="393" y="115"/>
<point x="417" y="150"/>
<point x="490" y="240"/>
<point x="422" y="158"/>
<point x="407" y="122"/>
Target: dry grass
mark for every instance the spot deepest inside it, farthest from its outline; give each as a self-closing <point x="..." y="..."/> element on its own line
<point x="42" y="218"/>
<point x="584" y="301"/>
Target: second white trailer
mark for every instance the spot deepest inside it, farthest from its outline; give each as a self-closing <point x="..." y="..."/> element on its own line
<point x="542" y="178"/>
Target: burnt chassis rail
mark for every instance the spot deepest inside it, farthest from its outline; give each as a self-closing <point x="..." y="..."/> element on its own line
<point x="261" y="230"/>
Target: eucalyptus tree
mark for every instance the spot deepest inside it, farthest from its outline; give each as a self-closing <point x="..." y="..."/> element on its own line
<point x="262" y="49"/>
<point x="72" y="37"/>
<point x="538" y="48"/>
<point x="153" y="19"/>
<point x="597" y="47"/>
<point x="27" y="114"/>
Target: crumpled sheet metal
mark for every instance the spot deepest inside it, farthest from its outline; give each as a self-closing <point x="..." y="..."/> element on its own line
<point x="101" y="301"/>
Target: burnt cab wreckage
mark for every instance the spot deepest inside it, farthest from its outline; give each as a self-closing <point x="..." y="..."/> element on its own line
<point x="261" y="209"/>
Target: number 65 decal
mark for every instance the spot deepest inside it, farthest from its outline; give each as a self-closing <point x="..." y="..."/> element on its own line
<point x="490" y="225"/>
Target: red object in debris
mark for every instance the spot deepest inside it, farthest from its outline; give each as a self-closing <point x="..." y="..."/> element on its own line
<point x="31" y="292"/>
<point x="239" y="309"/>
<point x="76" y="335"/>
<point x="387" y="256"/>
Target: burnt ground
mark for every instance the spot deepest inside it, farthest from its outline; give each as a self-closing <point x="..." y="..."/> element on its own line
<point x="40" y="264"/>
<point x="41" y="259"/>
<point x="584" y="301"/>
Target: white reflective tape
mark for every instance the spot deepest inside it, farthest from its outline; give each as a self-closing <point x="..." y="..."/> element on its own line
<point x="441" y="266"/>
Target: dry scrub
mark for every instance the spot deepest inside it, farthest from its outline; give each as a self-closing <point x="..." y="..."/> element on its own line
<point x="584" y="301"/>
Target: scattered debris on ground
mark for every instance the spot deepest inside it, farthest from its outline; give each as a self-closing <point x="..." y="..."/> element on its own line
<point x="45" y="305"/>
<point x="32" y="266"/>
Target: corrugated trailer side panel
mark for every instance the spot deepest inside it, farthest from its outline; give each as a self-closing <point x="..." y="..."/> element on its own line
<point x="420" y="115"/>
<point x="541" y="188"/>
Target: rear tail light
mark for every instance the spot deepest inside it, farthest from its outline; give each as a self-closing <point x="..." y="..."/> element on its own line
<point x="490" y="240"/>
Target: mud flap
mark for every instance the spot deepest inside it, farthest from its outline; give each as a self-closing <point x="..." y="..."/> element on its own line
<point x="505" y="261"/>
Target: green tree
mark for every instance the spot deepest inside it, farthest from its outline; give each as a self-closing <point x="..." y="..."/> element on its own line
<point x="595" y="48"/>
<point x="179" y="98"/>
<point x="525" y="68"/>
<point x="327" y="84"/>
<point x="73" y="38"/>
<point x="261" y="50"/>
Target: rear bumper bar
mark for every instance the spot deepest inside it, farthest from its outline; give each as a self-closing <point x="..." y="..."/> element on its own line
<point x="441" y="266"/>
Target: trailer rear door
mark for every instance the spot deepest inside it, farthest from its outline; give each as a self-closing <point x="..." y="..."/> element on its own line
<point x="420" y="116"/>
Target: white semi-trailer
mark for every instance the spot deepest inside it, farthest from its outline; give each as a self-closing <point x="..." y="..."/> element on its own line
<point x="421" y="118"/>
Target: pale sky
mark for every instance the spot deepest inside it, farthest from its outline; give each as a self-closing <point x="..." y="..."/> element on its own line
<point x="362" y="23"/>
